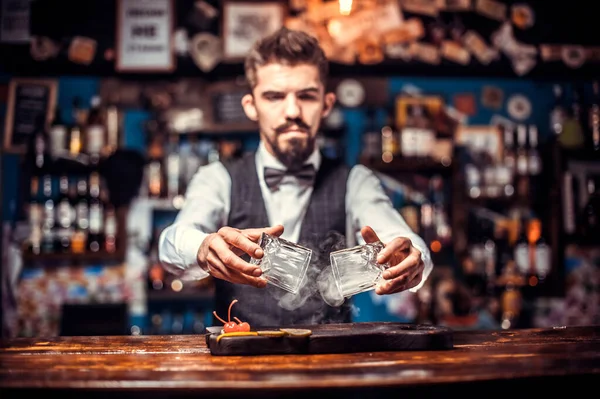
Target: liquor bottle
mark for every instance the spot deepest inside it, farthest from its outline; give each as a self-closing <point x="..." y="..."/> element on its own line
<point x="48" y="224"/>
<point x="534" y="160"/>
<point x="558" y="113"/>
<point x="542" y="255"/>
<point x="39" y="149"/>
<point x="96" y="214"/>
<point x="110" y="230"/>
<point x="75" y="141"/>
<point x="595" y="118"/>
<point x="492" y="187"/>
<point x="505" y="170"/>
<point x="58" y="135"/>
<point x="590" y="215"/>
<point x="65" y="216"/>
<point x="441" y="218"/>
<point x="572" y="136"/>
<point x="82" y="218"/>
<point x="35" y="216"/>
<point x="75" y="130"/>
<point x="112" y="129"/>
<point x="522" y="158"/>
<point x="95" y="131"/>
<point x="510" y="157"/>
<point x="511" y="298"/>
<point x="155" y="173"/>
<point x="173" y="166"/>
<point x="427" y="223"/>
<point x="521" y="250"/>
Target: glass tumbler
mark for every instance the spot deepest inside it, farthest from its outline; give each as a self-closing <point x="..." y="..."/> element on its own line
<point x="284" y="264"/>
<point x="356" y="270"/>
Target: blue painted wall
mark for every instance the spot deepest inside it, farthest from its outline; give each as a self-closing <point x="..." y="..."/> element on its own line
<point x="539" y="93"/>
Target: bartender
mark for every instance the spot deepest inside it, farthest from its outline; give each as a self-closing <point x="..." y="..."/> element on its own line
<point x="286" y="188"/>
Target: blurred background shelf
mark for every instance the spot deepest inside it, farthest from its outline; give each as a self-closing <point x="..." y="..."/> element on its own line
<point x="407" y="165"/>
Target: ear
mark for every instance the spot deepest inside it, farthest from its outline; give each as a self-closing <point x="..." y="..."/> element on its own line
<point x="249" y="107"/>
<point x="328" y="103"/>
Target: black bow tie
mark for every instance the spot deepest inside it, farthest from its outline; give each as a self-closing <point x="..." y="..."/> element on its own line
<point x="305" y="176"/>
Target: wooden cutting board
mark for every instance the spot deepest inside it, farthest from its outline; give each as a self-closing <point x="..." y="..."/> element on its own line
<point x="336" y="338"/>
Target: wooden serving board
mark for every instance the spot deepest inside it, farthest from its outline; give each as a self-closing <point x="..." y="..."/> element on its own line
<point x="336" y="338"/>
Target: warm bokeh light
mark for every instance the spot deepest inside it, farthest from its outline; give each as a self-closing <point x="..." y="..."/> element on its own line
<point x="345" y="7"/>
<point x="176" y="285"/>
<point x="533" y="281"/>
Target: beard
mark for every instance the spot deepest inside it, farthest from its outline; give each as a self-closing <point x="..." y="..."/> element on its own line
<point x="296" y="153"/>
<point x="298" y="150"/>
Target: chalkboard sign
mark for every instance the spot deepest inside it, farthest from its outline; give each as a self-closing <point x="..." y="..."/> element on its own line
<point x="227" y="107"/>
<point x="28" y="99"/>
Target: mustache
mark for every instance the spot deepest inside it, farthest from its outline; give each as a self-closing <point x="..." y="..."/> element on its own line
<point x="292" y="123"/>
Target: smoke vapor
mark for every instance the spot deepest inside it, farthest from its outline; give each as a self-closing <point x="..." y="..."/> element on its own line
<point x="318" y="281"/>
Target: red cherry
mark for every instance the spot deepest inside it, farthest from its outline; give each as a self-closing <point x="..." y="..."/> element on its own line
<point x="230" y="327"/>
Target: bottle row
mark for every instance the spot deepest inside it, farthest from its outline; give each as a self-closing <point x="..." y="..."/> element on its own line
<point x="93" y="135"/>
<point x="77" y="218"/>
<point x="576" y="123"/>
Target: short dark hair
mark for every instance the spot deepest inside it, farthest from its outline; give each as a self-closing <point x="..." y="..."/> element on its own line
<point x="286" y="46"/>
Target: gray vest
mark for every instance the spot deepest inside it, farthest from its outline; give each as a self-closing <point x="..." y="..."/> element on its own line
<point x="323" y="230"/>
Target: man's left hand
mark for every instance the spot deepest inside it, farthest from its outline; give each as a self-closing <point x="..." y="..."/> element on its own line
<point x="406" y="266"/>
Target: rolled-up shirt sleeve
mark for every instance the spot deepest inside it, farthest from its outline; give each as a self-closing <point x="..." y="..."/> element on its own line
<point x="204" y="211"/>
<point x="369" y="205"/>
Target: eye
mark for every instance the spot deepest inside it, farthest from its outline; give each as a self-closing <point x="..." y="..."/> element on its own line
<point x="308" y="97"/>
<point x="273" y="96"/>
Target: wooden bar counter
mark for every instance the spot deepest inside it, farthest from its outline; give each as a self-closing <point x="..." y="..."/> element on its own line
<point x="480" y="363"/>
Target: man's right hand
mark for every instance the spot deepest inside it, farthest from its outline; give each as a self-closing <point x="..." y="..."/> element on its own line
<point x="219" y="254"/>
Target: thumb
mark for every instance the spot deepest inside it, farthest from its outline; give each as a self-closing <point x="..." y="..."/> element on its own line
<point x="369" y="235"/>
<point x="254" y="234"/>
<point x="276" y="230"/>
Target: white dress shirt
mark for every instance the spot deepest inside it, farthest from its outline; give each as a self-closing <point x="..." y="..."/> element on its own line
<point x="207" y="205"/>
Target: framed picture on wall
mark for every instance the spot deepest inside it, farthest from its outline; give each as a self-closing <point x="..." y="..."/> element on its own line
<point x="30" y="101"/>
<point x="245" y="22"/>
<point x="144" y="40"/>
<point x="417" y="111"/>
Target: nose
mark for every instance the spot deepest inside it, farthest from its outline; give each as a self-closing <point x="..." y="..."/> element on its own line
<point x="292" y="107"/>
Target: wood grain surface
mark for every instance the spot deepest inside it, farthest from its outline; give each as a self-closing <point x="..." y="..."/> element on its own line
<point x="182" y="365"/>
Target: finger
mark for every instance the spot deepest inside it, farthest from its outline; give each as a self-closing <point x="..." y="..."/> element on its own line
<point x="406" y="267"/>
<point x="255" y="234"/>
<point x="369" y="235"/>
<point x="420" y="267"/>
<point x="415" y="281"/>
<point x="392" y="287"/>
<point x="397" y="278"/>
<point x="219" y="270"/>
<point x="398" y="244"/>
<point x="231" y="260"/>
<point x="214" y="266"/>
<point x="239" y="241"/>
